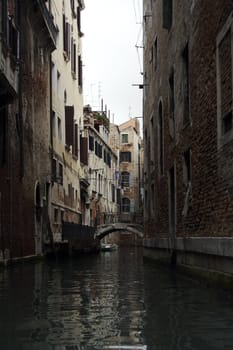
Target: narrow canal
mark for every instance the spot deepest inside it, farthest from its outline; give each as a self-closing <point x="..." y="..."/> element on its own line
<point x="107" y="300"/>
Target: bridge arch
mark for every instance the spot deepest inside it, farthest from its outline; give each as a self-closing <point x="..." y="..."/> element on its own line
<point x="106" y="229"/>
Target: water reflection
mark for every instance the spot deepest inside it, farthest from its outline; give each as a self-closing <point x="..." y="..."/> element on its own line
<point x="107" y="300"/>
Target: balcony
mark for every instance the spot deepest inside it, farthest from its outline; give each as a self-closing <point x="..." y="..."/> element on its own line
<point x="49" y="23"/>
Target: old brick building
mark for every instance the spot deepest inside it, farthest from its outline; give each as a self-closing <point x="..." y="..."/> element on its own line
<point x="188" y="128"/>
<point x="27" y="37"/>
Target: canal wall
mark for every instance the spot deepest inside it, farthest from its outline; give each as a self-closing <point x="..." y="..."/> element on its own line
<point x="209" y="259"/>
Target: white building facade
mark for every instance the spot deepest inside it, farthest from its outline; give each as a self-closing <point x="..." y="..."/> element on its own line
<point x="66" y="116"/>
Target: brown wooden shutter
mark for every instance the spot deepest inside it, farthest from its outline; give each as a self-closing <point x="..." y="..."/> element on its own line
<point x="69" y="123"/>
<point x="83" y="150"/>
<point x="80" y="71"/>
<point x="64" y="33"/>
<point x="76" y="140"/>
<point x="72" y="55"/>
<point x="79" y="19"/>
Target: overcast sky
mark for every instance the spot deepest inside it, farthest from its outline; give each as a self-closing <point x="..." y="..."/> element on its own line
<point x="112" y="63"/>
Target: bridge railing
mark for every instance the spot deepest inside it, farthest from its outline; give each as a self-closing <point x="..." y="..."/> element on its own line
<point x="111" y="218"/>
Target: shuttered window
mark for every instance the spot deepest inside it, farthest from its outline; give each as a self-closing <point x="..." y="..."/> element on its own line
<point x="76" y="140"/>
<point x="66" y="38"/>
<point x="73" y="58"/>
<point x="80" y="71"/>
<point x="69" y="124"/>
<point x="83" y="150"/>
<point x="79" y="20"/>
<point x="91" y="143"/>
<point x="125" y="156"/>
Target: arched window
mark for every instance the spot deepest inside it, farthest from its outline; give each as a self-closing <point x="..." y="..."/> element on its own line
<point x="125" y="179"/>
<point x="125" y="205"/>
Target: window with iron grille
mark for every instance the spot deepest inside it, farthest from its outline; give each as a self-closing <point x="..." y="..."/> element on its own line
<point x="125" y="179"/>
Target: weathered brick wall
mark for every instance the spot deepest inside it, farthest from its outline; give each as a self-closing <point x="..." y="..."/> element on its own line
<point x="17" y="186"/>
<point x="210" y="210"/>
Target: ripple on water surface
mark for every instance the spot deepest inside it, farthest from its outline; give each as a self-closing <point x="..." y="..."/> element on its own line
<point x="108" y="300"/>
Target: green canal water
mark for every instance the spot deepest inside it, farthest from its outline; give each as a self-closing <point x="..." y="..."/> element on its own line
<point x="114" y="300"/>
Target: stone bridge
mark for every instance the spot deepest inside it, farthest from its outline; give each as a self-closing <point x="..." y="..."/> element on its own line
<point x="105" y="229"/>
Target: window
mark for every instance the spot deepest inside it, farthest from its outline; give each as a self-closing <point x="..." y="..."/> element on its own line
<point x="62" y="215"/>
<point x="4" y="19"/>
<point x="54" y="123"/>
<point x="80" y="72"/>
<point x="187" y="167"/>
<point x="13" y="37"/>
<point x="72" y="3"/>
<point x="54" y="170"/>
<point x="73" y="58"/>
<point x="59" y="129"/>
<point x="58" y="84"/>
<point x="152" y="199"/>
<point x="124" y="138"/>
<point x="91" y="143"/>
<point x="69" y="124"/>
<point x="66" y="39"/>
<point x="60" y="174"/>
<point x="113" y="193"/>
<point x="125" y="205"/>
<point x="96" y="148"/>
<point x="185" y="63"/>
<point x="224" y="82"/>
<point x="155" y="54"/>
<point x="79" y="20"/>
<point x="3" y="136"/>
<point x="161" y="141"/>
<point x="125" y="177"/>
<point x="171" y="104"/>
<point x="151" y="141"/>
<point x="125" y="156"/>
<point x="83" y="150"/>
<point x="75" y="140"/>
<point x="55" y="215"/>
<point x="167" y="13"/>
<point x="108" y="159"/>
